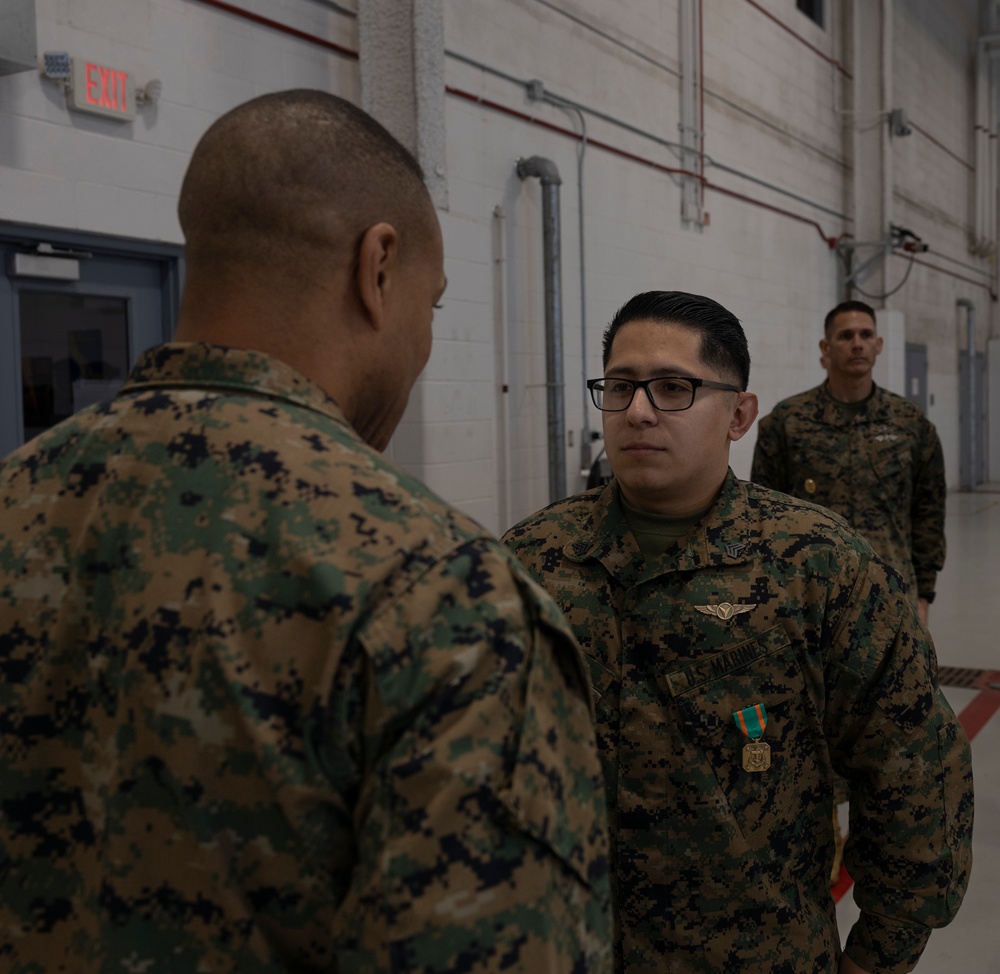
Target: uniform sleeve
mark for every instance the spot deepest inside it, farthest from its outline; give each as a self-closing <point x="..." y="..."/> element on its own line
<point x="927" y="515"/>
<point x="907" y="760"/>
<point x="481" y="831"/>
<point x="769" y="455"/>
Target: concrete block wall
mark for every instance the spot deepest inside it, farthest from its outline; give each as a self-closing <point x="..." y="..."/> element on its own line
<point x="77" y="171"/>
<point x="774" y="110"/>
<point x="772" y="271"/>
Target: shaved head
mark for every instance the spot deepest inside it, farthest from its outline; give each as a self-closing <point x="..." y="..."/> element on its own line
<point x="312" y="238"/>
<point x="291" y="178"/>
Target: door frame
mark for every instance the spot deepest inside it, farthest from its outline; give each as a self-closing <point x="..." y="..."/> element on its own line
<point x="167" y="258"/>
<point x="170" y="257"/>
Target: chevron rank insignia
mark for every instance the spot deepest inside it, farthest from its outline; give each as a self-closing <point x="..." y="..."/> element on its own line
<point x="735" y="548"/>
<point x="725" y="610"/>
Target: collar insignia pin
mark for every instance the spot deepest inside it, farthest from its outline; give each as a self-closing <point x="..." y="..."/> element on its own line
<point x="735" y="548"/>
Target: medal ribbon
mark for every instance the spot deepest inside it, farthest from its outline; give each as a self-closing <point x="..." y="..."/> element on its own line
<point x="751" y="721"/>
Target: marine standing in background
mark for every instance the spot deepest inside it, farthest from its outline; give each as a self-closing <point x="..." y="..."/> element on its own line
<point x="266" y="703"/>
<point x="866" y="453"/>
<point x="746" y="648"/>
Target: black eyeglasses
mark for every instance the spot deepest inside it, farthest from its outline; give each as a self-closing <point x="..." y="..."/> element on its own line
<point x="668" y="393"/>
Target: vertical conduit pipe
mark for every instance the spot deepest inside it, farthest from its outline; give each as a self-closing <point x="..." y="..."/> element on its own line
<point x="502" y="366"/>
<point x="888" y="173"/>
<point x="548" y="174"/>
<point x="970" y="324"/>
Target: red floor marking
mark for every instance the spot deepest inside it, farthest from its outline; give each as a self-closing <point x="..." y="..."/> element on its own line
<point x="842" y="885"/>
<point x="973" y="719"/>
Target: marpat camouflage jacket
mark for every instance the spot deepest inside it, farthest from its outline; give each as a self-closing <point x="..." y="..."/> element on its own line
<point x="882" y="470"/>
<point x="776" y="602"/>
<point x="267" y="704"/>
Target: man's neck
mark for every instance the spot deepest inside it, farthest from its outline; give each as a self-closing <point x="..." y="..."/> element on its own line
<point x="655" y="503"/>
<point x="848" y="389"/>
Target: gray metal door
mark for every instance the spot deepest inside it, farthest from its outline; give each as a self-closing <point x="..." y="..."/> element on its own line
<point x="72" y="322"/>
<point x="972" y="454"/>
<point x="916" y="375"/>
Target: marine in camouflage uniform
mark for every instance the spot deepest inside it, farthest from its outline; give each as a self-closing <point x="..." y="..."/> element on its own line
<point x="266" y="703"/>
<point x="745" y="648"/>
<point x="866" y="453"/>
<point x="776" y="602"/>
<point x="269" y="704"/>
<point x="882" y="469"/>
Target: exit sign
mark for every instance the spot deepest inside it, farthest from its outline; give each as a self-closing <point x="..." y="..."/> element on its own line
<point x="101" y="90"/>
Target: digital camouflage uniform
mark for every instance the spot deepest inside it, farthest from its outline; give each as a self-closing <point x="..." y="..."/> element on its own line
<point x="882" y="470"/>
<point x="767" y="601"/>
<point x="268" y="704"/>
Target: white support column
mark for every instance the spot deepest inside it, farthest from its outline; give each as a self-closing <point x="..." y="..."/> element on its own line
<point x="402" y="79"/>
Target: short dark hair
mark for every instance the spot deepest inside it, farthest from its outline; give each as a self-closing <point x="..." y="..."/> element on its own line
<point x="843" y="308"/>
<point x="723" y="343"/>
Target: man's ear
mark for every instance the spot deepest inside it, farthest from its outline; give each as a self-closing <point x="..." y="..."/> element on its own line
<point x="744" y="414"/>
<point x="378" y="256"/>
<point x="824" y="354"/>
<point x="878" y="345"/>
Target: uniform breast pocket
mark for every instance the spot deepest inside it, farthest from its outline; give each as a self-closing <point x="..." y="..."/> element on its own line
<point x="816" y="472"/>
<point x="603" y="687"/>
<point x="891" y="459"/>
<point x="762" y="670"/>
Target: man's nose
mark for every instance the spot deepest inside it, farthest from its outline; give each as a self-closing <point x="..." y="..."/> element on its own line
<point x="641" y="409"/>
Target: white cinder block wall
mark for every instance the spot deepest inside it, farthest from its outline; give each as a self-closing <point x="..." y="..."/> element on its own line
<point x="87" y="173"/>
<point x="777" y="116"/>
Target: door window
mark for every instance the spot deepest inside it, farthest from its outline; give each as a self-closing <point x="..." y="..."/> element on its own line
<point x="68" y="339"/>
<point x="74" y="352"/>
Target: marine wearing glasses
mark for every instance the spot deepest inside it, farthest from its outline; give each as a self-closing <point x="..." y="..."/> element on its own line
<point x="668" y="393"/>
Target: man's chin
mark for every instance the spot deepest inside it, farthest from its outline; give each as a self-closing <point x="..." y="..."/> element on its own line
<point x="644" y="487"/>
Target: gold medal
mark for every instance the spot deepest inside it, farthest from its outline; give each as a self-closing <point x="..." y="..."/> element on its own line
<point x="756" y="756"/>
<point x="810" y="485"/>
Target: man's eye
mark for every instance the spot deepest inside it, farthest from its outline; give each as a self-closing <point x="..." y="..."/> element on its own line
<point x="617" y="388"/>
<point x="672" y="387"/>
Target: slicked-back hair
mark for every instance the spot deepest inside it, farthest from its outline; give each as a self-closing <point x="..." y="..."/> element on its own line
<point x="293" y="178"/>
<point x="843" y="308"/>
<point x="723" y="343"/>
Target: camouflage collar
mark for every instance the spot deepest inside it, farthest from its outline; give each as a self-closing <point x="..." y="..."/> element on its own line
<point x="829" y="413"/>
<point x="606" y="537"/>
<point x="721" y="538"/>
<point x="215" y="367"/>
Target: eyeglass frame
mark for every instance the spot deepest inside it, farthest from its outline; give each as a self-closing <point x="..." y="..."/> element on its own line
<point x="643" y="384"/>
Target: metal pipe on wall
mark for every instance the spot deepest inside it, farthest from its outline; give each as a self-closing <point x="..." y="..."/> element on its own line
<point x="538" y="90"/>
<point x="548" y="174"/>
<point x="502" y="366"/>
<point x="691" y="123"/>
<point x="888" y="172"/>
<point x="985" y="176"/>
<point x="970" y="325"/>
